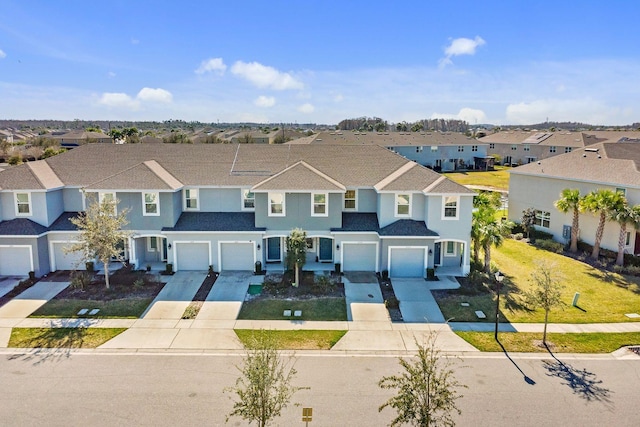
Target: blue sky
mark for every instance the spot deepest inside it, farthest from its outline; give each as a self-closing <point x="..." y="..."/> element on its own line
<point x="501" y="62"/>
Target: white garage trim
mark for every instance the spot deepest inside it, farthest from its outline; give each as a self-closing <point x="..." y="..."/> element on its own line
<point x="23" y="246"/>
<point x="424" y="259"/>
<point x="175" y="244"/>
<point x="343" y="244"/>
<point x="244" y="242"/>
<point x="52" y="255"/>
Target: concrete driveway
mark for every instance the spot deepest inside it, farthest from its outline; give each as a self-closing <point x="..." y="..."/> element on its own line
<point x="364" y="302"/>
<point x="227" y="295"/>
<point x="7" y="283"/>
<point x="417" y="305"/>
<point x="176" y="295"/>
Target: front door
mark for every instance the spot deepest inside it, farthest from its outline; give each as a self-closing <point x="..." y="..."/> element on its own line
<point x="637" y="246"/>
<point x="326" y="249"/>
<point x="273" y="249"/>
<point x="437" y="253"/>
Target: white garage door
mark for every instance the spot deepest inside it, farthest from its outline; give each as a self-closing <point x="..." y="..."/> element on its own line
<point x="359" y="257"/>
<point x="236" y="256"/>
<point x="15" y="261"/>
<point x="66" y="261"/>
<point x="192" y="256"/>
<point x="407" y="262"/>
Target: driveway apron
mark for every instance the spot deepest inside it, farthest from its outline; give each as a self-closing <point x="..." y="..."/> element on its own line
<point x="417" y="305"/>
<point x="226" y="297"/>
<point x="364" y="302"/>
<point x="176" y="295"/>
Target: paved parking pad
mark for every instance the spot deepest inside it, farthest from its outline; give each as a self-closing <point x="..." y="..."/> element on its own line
<point x="364" y="302"/>
<point x="176" y="295"/>
<point x="30" y="300"/>
<point x="227" y="295"/>
<point x="7" y="283"/>
<point x="417" y="305"/>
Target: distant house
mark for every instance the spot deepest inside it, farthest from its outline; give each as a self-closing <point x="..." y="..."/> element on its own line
<point x="609" y="165"/>
<point x="521" y="147"/>
<point x="440" y="151"/>
<point x="77" y="138"/>
<point x="229" y="206"/>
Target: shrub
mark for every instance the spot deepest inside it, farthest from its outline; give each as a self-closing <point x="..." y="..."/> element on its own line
<point x="631" y="260"/>
<point x="138" y="284"/>
<point x="15" y="159"/>
<point x="518" y="236"/>
<point x="323" y="284"/>
<point x="80" y="279"/>
<point x="392" y="302"/>
<point x="550" y="245"/>
<point x="543" y="235"/>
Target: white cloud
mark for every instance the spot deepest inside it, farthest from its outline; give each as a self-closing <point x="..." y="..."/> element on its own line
<point x="470" y="115"/>
<point x="585" y="110"/>
<point x="264" y="76"/>
<point x="460" y="46"/>
<point x="265" y="101"/>
<point x="215" y="65"/>
<point x="2" y="54"/>
<point x="306" y="108"/>
<point x="119" y="100"/>
<point x="135" y="41"/>
<point x="155" y="95"/>
<point x="111" y="74"/>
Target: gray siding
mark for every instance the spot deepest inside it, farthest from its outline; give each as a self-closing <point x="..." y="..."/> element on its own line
<point x="367" y="200"/>
<point x="55" y="205"/>
<point x="38" y="207"/>
<point x="387" y="208"/>
<point x="452" y="229"/>
<point x="298" y="213"/>
<point x="72" y="198"/>
<point x="137" y="221"/>
<point x="444" y="153"/>
<point x="220" y="199"/>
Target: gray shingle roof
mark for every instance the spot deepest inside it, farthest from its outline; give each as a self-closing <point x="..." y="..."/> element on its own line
<point x="215" y="221"/>
<point x="63" y="223"/>
<point x="407" y="227"/>
<point x="21" y="227"/>
<point x="353" y="221"/>
<point x="368" y="222"/>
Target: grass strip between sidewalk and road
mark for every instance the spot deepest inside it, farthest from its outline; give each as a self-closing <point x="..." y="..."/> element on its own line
<point x="127" y="308"/>
<point x="296" y="340"/>
<point x="317" y="309"/>
<point x="530" y="342"/>
<point x="61" y="337"/>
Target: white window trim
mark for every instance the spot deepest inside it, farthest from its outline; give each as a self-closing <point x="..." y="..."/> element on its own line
<point x="627" y="240"/>
<point x="355" y="199"/>
<point x="29" y="203"/>
<point x="149" y="247"/>
<point x="101" y="196"/>
<point x="326" y="204"/>
<point x="197" y="198"/>
<point x="144" y="204"/>
<point x="395" y="212"/>
<point x="455" y="249"/>
<point x="284" y="204"/>
<point x="243" y="207"/>
<point x="444" y="205"/>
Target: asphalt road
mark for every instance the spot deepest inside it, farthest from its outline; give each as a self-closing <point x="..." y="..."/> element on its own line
<point x="89" y="389"/>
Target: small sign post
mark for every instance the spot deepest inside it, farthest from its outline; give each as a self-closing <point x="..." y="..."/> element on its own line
<point x="307" y="414"/>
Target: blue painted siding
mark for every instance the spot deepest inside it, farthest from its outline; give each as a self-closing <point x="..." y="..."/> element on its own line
<point x="298" y="213"/>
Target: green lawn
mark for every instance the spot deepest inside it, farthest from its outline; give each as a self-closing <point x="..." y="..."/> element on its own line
<point x="312" y="309"/>
<point x="498" y="179"/>
<point x="61" y="337"/>
<point x="561" y="343"/>
<point x="119" y="308"/>
<point x="296" y="340"/>
<point x="604" y="297"/>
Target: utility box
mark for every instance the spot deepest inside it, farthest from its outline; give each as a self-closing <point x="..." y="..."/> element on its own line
<point x="566" y="232"/>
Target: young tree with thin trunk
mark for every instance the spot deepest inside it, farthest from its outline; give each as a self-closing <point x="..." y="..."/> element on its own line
<point x="570" y="200"/>
<point x="296" y="252"/>
<point x="101" y="232"/>
<point x="601" y="203"/>
<point x="426" y="389"/>
<point x="624" y="215"/>
<point x="547" y="292"/>
<point x="264" y="389"/>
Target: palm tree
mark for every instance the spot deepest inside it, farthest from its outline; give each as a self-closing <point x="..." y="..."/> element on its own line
<point x="601" y="203"/>
<point x="624" y="215"/>
<point x="570" y="201"/>
<point x="485" y="204"/>
<point x="492" y="234"/>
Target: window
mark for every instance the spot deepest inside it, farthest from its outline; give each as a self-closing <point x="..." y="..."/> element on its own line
<point x="23" y="204"/>
<point x="319" y="204"/>
<point x="527" y="148"/>
<point x="543" y="219"/>
<point x="403" y="204"/>
<point x="248" y="199"/>
<point x="191" y="199"/>
<point x="276" y="204"/>
<point x="150" y="202"/>
<point x="434" y="148"/>
<point x="450" y="249"/>
<point x="492" y="146"/>
<point x="474" y="148"/>
<point x="627" y="241"/>
<point x="309" y="243"/>
<point x="419" y="149"/>
<point x="514" y="147"/>
<point x="552" y="149"/>
<point x="450" y="207"/>
<point x="152" y="244"/>
<point x="622" y="191"/>
<point x="567" y="149"/>
<point x="460" y="148"/>
<point x="350" y="199"/>
<point x="108" y="198"/>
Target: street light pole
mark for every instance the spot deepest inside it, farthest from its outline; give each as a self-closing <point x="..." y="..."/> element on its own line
<point x="499" y="279"/>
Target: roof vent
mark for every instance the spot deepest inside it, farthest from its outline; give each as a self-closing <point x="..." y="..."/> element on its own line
<point x="592" y="150"/>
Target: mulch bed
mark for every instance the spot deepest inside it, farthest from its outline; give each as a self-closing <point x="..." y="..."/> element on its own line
<point x="280" y="286"/>
<point x="205" y="288"/>
<point x="391" y="302"/>
<point x="121" y="286"/>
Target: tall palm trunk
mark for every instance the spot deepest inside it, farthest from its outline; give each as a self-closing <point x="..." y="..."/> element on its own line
<point x="596" y="245"/>
<point x="487" y="257"/>
<point x="621" y="241"/>
<point x="574" y="231"/>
